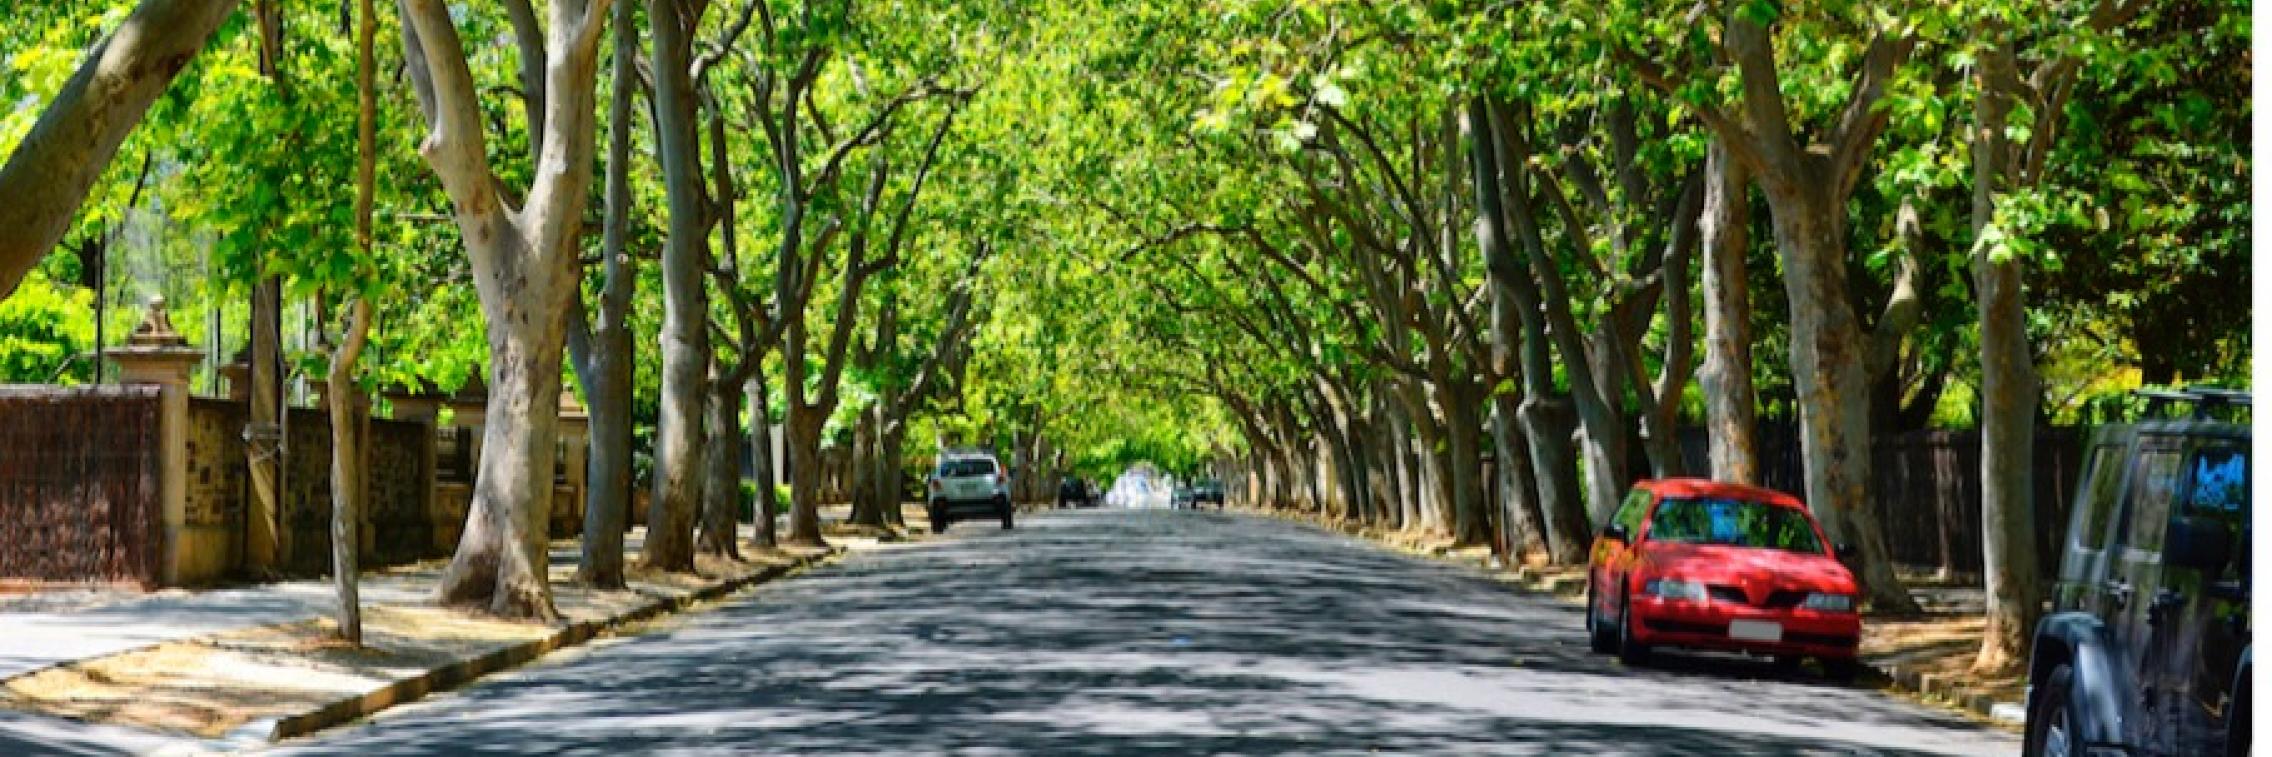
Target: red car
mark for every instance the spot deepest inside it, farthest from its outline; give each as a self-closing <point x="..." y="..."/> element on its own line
<point x="1707" y="565"/>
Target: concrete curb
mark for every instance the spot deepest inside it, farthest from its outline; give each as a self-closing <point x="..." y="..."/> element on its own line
<point x="468" y="670"/>
<point x="1941" y="688"/>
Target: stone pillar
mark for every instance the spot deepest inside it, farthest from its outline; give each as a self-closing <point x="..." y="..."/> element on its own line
<point x="469" y="409"/>
<point x="420" y="404"/>
<point x="156" y="355"/>
<point x="575" y="434"/>
<point x="238" y="375"/>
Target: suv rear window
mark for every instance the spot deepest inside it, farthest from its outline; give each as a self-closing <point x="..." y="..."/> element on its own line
<point x="966" y="468"/>
<point x="2220" y="482"/>
<point x="2152" y="489"/>
<point x="2101" y="498"/>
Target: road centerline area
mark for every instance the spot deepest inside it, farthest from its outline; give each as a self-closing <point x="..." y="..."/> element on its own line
<point x="1146" y="632"/>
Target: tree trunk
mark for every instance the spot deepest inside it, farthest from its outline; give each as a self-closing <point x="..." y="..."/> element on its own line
<point x="888" y="472"/>
<point x="685" y="332"/>
<point x="58" y="162"/>
<point x="524" y="270"/>
<point x="1832" y="386"/>
<point x="1544" y="304"/>
<point x="347" y="468"/>
<point x="768" y="506"/>
<point x="501" y="561"/>
<point x="1730" y="405"/>
<point x="348" y="427"/>
<point x="2008" y="394"/>
<point x="867" y="461"/>
<point x="722" y="469"/>
<point x="264" y="430"/>
<point x="1519" y="327"/>
<point x="1660" y="399"/>
<point x="1435" y="490"/>
<point x="607" y="386"/>
<point x="803" y="426"/>
<point x="1406" y="475"/>
<point x="1526" y="522"/>
<point x="1463" y="431"/>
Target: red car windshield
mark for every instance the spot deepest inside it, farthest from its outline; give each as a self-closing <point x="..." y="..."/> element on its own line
<point x="1735" y="523"/>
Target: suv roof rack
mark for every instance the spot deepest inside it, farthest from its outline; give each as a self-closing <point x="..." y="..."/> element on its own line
<point x="2205" y="399"/>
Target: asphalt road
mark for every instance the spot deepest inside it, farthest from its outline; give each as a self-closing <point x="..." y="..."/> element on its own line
<point x="1144" y="632"/>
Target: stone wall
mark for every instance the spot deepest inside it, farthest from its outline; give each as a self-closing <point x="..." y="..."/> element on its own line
<point x="398" y="528"/>
<point x="213" y="543"/>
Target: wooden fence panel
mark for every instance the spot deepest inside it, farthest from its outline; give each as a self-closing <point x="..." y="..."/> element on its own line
<point x="79" y="497"/>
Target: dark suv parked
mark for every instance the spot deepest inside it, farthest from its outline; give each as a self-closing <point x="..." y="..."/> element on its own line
<point x="2146" y="650"/>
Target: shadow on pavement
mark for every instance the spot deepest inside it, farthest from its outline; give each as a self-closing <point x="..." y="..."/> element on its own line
<point x="1143" y="633"/>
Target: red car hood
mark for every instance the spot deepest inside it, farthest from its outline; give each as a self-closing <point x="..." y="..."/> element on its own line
<point x="1748" y="567"/>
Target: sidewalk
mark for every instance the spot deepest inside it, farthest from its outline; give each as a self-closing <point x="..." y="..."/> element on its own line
<point x="1928" y="656"/>
<point x="192" y="671"/>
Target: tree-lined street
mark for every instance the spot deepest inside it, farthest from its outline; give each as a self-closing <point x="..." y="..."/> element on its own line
<point x="1764" y="324"/>
<point x="1147" y="632"/>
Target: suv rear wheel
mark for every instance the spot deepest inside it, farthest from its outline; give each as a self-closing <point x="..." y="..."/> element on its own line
<point x="2050" y="721"/>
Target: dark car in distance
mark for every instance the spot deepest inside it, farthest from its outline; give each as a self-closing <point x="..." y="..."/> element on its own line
<point x="1075" y="492"/>
<point x="1207" y="491"/>
<point x="2146" y="650"/>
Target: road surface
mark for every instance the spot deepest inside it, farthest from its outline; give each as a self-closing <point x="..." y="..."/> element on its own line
<point x="1144" y="632"/>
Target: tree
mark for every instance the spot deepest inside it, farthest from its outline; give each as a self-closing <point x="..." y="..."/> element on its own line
<point x="523" y="259"/>
<point x="876" y="492"/>
<point x="600" y="343"/>
<point x="2004" y="165"/>
<point x="348" y="430"/>
<point x="685" y="351"/>
<point x="1807" y="178"/>
<point x="54" y="167"/>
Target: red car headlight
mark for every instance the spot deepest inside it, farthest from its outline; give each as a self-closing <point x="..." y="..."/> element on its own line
<point x="1674" y="588"/>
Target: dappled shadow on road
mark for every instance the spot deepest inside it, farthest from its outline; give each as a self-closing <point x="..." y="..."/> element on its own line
<point x="1143" y="633"/>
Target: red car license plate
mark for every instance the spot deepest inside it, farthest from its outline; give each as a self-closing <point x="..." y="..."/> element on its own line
<point x="1755" y="630"/>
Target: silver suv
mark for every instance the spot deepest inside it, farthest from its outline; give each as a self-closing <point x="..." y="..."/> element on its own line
<point x="968" y="485"/>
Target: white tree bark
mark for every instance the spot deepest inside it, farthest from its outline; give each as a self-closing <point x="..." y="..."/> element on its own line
<point x="685" y="337"/>
<point x="1730" y="404"/>
<point x="524" y="266"/>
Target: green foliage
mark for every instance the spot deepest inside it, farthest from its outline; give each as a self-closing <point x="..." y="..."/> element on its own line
<point x="44" y="329"/>
<point x="1152" y="179"/>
